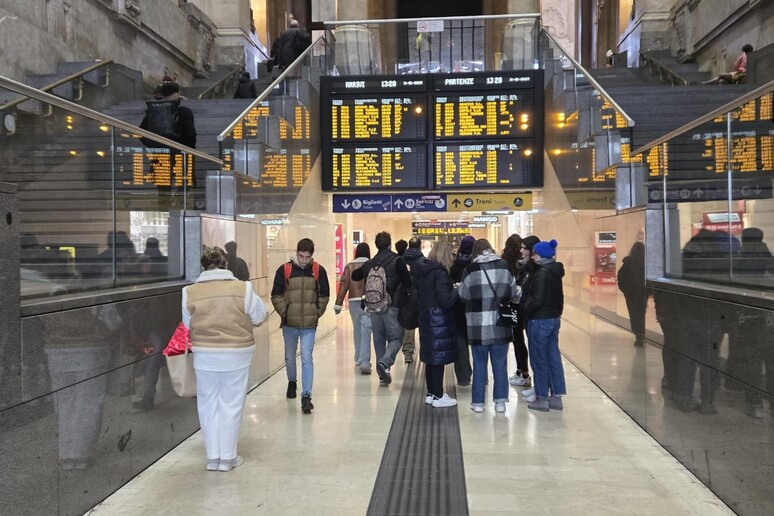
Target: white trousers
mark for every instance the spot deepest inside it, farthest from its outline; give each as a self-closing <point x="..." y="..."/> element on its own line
<point x="220" y="398"/>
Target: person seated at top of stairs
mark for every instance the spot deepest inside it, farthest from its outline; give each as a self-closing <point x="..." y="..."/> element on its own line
<point x="740" y="69"/>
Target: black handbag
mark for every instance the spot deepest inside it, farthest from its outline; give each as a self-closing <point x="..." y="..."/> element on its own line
<point x="507" y="311"/>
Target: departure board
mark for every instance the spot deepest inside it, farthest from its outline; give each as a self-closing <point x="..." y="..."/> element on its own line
<point x="483" y="165"/>
<point x="489" y="115"/>
<point x="377" y="167"/>
<point x="382" y="118"/>
<point x="481" y="129"/>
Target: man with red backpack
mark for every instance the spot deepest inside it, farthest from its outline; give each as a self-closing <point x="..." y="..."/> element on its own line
<point x="384" y="276"/>
<point x="300" y="295"/>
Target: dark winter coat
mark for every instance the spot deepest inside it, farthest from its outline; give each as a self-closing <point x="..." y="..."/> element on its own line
<point x="461" y="261"/>
<point x="545" y="299"/>
<point x="185" y="122"/>
<point x="289" y="45"/>
<point x="301" y="301"/>
<point x="396" y="276"/>
<point x="437" y="331"/>
<point x="245" y="89"/>
<point x="481" y="303"/>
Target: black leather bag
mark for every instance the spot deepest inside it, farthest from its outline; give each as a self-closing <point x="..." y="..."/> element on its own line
<point x="508" y="314"/>
<point x="507" y="311"/>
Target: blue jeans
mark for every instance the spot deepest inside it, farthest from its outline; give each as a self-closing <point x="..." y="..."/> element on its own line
<point x="388" y="336"/>
<point x="547" y="369"/>
<point x="306" y="336"/>
<point x="498" y="355"/>
<point x="361" y="330"/>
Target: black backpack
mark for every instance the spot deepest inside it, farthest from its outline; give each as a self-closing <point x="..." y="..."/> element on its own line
<point x="161" y="118"/>
<point x="408" y="310"/>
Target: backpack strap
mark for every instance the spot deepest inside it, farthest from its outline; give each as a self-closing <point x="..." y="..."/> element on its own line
<point x="287" y="271"/>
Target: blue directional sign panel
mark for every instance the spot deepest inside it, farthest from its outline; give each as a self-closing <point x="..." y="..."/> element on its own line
<point x="418" y="202"/>
<point x="362" y="203"/>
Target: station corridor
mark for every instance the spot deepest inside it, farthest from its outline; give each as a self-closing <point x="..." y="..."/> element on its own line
<point x="590" y="458"/>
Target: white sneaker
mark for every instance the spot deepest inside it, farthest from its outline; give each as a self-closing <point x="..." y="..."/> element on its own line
<point x="212" y="465"/>
<point x="477" y="408"/>
<point x="228" y="465"/>
<point x="444" y="401"/>
<point x="528" y="392"/>
<point x="429" y="399"/>
<point x="520" y="381"/>
<point x="500" y="407"/>
<point x="530" y="398"/>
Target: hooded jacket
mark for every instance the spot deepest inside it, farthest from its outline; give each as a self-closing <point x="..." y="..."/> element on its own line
<point x="302" y="301"/>
<point x="245" y="89"/>
<point x="546" y="296"/>
<point x="437" y="331"/>
<point x="481" y="302"/>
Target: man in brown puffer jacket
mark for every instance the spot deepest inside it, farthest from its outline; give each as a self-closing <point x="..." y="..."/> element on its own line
<point x="300" y="295"/>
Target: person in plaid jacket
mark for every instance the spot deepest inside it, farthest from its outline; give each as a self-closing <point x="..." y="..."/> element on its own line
<point x="485" y="283"/>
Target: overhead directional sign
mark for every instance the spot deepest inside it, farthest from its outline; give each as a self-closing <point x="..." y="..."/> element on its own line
<point x="418" y="202"/>
<point x="489" y="202"/>
<point x="374" y="203"/>
<point x="362" y="203"/>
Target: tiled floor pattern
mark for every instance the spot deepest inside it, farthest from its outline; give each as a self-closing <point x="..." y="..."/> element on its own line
<point x="590" y="459"/>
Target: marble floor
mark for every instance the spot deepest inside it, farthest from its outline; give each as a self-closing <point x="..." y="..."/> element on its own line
<point x="590" y="458"/>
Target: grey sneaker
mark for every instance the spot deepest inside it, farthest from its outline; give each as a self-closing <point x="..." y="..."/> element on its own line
<point x="555" y="403"/>
<point x="500" y="407"/>
<point x="540" y="404"/>
<point x="228" y="465"/>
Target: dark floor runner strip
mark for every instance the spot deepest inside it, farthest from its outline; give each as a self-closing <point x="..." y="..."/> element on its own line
<point x="422" y="470"/>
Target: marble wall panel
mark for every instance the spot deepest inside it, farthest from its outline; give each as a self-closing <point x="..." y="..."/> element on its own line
<point x="28" y="458"/>
<point x="105" y="437"/>
<point x="95" y="339"/>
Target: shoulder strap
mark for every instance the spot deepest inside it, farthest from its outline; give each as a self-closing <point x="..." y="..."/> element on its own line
<point x="316" y="271"/>
<point x="288" y="269"/>
<point x="490" y="284"/>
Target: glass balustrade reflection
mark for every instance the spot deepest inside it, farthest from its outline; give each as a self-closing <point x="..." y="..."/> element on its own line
<point x="714" y="184"/>
<point x="275" y="145"/>
<point x="98" y="209"/>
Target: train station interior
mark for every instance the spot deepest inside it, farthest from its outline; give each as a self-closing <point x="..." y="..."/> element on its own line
<point x="638" y="133"/>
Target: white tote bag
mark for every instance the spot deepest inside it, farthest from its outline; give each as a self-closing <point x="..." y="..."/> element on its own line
<point x="182" y="374"/>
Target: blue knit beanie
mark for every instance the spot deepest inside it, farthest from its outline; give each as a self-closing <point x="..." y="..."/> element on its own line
<point x="545" y="249"/>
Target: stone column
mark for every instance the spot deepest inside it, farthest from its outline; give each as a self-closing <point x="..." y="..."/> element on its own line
<point x="232" y="19"/>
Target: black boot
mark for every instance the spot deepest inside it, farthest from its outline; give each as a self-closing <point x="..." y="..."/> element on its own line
<point x="306" y="404"/>
<point x="291" y="390"/>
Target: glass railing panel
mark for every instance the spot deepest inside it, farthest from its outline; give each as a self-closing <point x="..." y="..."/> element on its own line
<point x="750" y="220"/>
<point x="98" y="209"/>
<point x="714" y="184"/>
<point x="588" y="139"/>
<point x="274" y="144"/>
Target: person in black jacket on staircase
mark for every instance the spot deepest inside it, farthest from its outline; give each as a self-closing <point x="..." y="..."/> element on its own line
<point x="437" y="331"/>
<point x="246" y="88"/>
<point x="543" y="309"/>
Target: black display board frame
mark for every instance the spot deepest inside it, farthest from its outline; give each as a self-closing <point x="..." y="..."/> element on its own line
<point x="527" y="82"/>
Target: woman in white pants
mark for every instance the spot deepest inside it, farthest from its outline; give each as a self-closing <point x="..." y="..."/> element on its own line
<point x="220" y="312"/>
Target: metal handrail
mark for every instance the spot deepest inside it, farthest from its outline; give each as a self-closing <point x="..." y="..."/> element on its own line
<point x="663" y="68"/>
<point x="265" y="94"/>
<point x="592" y="81"/>
<point x="722" y="110"/>
<point x="60" y="82"/>
<point x="36" y="94"/>
<point x="404" y="20"/>
<point x="237" y="69"/>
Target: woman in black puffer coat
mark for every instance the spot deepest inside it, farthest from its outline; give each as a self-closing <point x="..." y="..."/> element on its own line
<point x="437" y="331"/>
